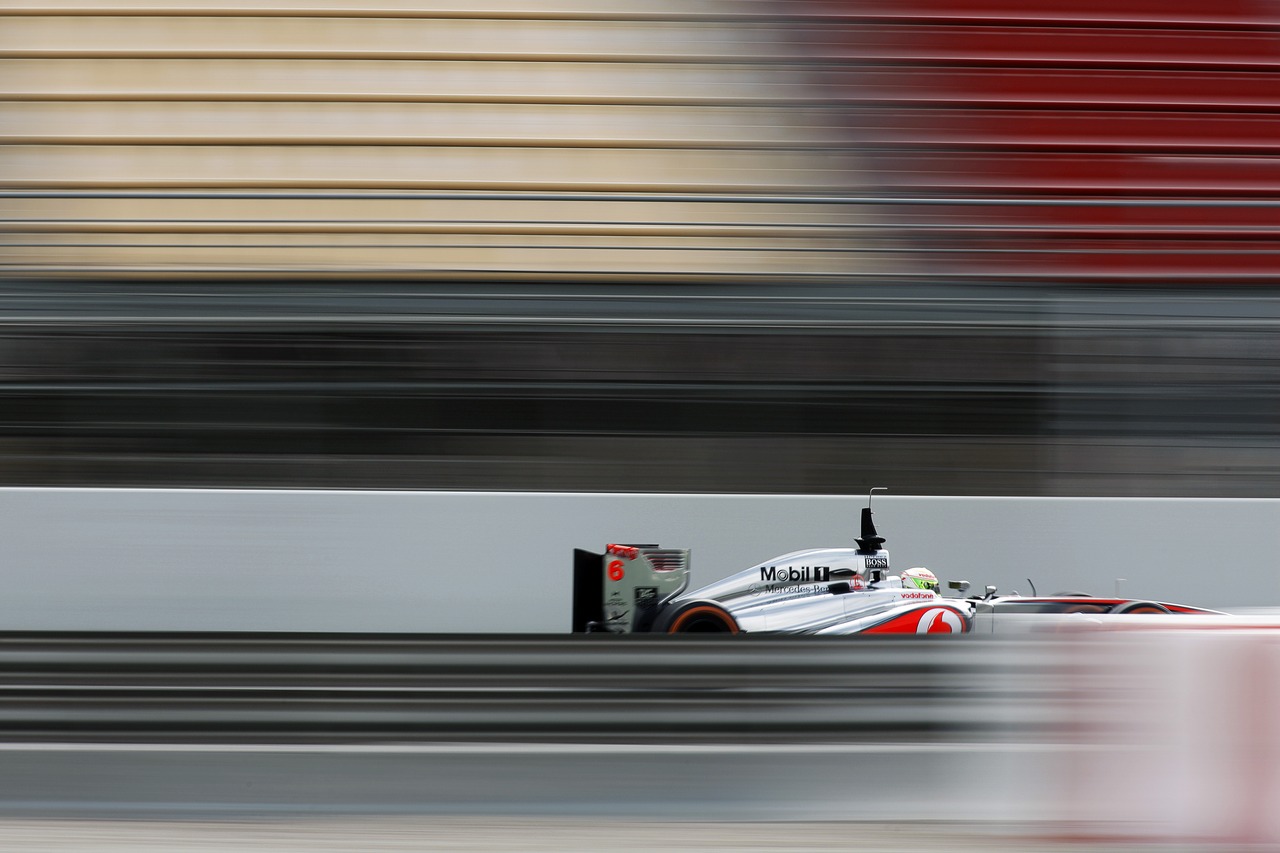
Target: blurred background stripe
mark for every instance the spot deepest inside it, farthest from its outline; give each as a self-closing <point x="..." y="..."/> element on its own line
<point x="956" y="247"/>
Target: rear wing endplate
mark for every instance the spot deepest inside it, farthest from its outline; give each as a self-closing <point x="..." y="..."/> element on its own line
<point x="622" y="590"/>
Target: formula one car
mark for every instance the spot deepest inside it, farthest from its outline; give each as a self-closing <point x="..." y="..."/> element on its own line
<point x="642" y="589"/>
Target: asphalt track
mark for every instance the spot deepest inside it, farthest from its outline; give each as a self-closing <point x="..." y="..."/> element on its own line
<point x="728" y="782"/>
<point x="532" y="835"/>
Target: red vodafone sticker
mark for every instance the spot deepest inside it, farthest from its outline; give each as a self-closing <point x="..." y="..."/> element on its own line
<point x="615" y="570"/>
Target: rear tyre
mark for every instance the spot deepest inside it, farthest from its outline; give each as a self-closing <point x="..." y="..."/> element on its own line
<point x="1139" y="607"/>
<point x="699" y="617"/>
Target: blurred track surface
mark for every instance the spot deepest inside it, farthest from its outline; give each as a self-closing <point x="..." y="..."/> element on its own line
<point x="746" y="728"/>
<point x="281" y="688"/>
<point x="539" y="835"/>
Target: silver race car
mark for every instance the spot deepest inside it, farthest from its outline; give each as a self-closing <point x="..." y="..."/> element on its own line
<point x="642" y="589"/>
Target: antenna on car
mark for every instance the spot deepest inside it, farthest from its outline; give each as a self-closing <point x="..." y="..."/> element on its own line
<point x="870" y="540"/>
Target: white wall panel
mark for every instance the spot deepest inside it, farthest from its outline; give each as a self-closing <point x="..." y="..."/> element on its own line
<point x="75" y="559"/>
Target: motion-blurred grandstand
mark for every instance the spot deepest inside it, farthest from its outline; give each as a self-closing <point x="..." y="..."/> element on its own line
<point x="953" y="246"/>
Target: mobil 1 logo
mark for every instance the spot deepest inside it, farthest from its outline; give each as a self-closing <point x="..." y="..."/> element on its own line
<point x="788" y="575"/>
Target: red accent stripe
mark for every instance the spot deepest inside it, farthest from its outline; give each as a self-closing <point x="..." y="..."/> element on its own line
<point x="907" y="623"/>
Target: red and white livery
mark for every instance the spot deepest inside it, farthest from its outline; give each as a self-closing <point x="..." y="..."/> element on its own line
<point x="642" y="589"/>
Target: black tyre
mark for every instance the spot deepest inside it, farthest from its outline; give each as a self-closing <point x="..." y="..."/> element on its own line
<point x="699" y="617"/>
<point x="1132" y="607"/>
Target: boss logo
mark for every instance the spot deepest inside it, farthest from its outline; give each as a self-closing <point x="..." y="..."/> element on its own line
<point x="877" y="562"/>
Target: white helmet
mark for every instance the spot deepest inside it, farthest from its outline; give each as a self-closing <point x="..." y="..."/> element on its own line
<point x="920" y="578"/>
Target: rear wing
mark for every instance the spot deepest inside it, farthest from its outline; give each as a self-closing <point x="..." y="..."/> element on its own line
<point x="622" y="590"/>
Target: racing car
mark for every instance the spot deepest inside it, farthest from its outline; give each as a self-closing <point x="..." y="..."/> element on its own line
<point x="642" y="588"/>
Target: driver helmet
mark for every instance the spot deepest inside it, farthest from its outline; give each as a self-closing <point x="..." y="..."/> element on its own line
<point x="920" y="578"/>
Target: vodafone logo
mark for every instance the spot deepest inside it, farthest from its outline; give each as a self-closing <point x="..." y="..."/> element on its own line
<point x="940" y="620"/>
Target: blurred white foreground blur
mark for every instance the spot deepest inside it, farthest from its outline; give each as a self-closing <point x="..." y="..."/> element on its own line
<point x="1175" y="727"/>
